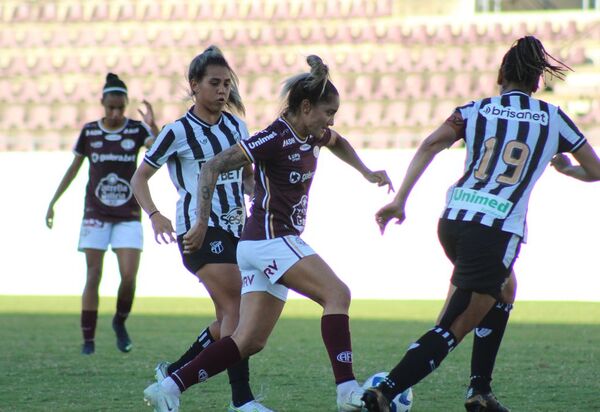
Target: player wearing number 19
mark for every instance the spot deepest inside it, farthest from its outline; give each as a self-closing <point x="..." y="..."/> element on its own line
<point x="510" y="139"/>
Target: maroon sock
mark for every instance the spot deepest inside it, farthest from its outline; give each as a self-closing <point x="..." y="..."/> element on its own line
<point x="210" y="362"/>
<point x="335" y="330"/>
<point x="88" y="324"/>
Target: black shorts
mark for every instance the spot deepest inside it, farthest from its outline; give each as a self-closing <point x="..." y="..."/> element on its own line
<point x="482" y="256"/>
<point x="219" y="247"/>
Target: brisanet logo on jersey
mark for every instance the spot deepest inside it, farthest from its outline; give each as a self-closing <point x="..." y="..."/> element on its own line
<point x="510" y="113"/>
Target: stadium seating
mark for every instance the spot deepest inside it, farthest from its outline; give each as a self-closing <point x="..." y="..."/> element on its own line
<point x="397" y="77"/>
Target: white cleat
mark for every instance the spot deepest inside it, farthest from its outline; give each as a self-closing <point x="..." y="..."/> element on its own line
<point x="252" y="406"/>
<point x="160" y="371"/>
<point x="350" y="401"/>
<point x="161" y="401"/>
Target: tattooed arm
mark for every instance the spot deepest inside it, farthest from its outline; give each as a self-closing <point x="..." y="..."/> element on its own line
<point x="230" y="159"/>
<point x="440" y="139"/>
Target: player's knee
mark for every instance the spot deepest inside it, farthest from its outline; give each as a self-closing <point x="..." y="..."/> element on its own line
<point x="249" y="346"/>
<point x="338" y="297"/>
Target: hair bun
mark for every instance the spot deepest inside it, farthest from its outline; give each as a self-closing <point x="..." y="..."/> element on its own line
<point x="317" y="68"/>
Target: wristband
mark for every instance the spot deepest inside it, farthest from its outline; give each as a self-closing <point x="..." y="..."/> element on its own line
<point x="152" y="214"/>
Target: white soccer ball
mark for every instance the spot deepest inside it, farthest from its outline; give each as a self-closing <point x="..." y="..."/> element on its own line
<point x="401" y="403"/>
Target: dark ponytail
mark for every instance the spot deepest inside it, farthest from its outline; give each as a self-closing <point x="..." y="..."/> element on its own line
<point x="527" y="60"/>
<point x="114" y="85"/>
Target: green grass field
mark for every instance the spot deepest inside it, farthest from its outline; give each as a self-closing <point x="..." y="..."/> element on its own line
<point x="549" y="360"/>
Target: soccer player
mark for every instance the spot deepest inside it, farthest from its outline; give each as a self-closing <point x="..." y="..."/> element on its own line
<point x="510" y="139"/>
<point x="271" y="255"/>
<point x="185" y="145"/>
<point x="111" y="214"/>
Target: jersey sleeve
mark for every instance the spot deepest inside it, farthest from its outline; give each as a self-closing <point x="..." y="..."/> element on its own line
<point x="146" y="133"/>
<point x="262" y="145"/>
<point x="569" y="137"/>
<point x="162" y="148"/>
<point x="80" y="148"/>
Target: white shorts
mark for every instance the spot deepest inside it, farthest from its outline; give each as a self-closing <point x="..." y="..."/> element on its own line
<point x="96" y="234"/>
<point x="263" y="262"/>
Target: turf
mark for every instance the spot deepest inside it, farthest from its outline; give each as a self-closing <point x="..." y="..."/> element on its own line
<point x="548" y="362"/>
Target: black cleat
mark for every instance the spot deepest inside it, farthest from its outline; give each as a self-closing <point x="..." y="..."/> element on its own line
<point x="483" y="402"/>
<point x="123" y="340"/>
<point x="375" y="401"/>
<point x="88" y="348"/>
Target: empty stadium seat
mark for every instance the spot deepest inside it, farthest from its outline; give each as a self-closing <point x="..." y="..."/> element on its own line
<point x="13" y="117"/>
<point x="394" y="114"/>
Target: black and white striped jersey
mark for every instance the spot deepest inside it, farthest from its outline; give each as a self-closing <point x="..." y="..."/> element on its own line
<point x="510" y="139"/>
<point x="185" y="145"/>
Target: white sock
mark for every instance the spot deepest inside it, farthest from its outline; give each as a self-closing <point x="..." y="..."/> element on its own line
<point x="170" y="386"/>
<point x="346" y="387"/>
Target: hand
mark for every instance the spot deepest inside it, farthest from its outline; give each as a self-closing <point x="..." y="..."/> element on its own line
<point x="561" y="162"/>
<point x="163" y="229"/>
<point x="381" y="178"/>
<point x="194" y="238"/>
<point x="50" y="217"/>
<point x="387" y="213"/>
<point x="149" y="115"/>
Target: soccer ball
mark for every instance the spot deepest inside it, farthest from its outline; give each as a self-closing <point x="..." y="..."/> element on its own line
<point x="401" y="403"/>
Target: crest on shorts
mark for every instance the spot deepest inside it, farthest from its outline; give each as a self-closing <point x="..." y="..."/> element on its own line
<point x="216" y="247"/>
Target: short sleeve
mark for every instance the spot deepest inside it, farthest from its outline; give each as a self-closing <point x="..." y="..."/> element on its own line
<point x="261" y="146"/>
<point x="80" y="147"/>
<point x="162" y="148"/>
<point x="569" y="137"/>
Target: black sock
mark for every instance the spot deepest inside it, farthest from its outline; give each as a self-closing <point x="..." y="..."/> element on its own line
<point x="88" y="324"/>
<point x="123" y="309"/>
<point x="239" y="379"/>
<point x="422" y="358"/>
<point x="202" y="341"/>
<point x="486" y="343"/>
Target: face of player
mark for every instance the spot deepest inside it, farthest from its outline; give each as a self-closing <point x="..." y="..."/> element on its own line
<point x="320" y="116"/>
<point x="212" y="92"/>
<point x="114" y="109"/>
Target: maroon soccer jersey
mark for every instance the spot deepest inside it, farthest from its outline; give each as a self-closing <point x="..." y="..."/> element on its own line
<point x="113" y="159"/>
<point x="284" y="168"/>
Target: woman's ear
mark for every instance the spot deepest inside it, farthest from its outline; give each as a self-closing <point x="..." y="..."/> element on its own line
<point x="305" y="106"/>
<point x="500" y="78"/>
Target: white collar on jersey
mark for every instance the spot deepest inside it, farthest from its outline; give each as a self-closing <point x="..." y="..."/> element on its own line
<point x="113" y="131"/>
<point x="201" y="122"/>
<point x="289" y="126"/>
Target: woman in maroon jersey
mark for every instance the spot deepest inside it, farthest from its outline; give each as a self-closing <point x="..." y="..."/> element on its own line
<point x="111" y="214"/>
<point x="271" y="255"/>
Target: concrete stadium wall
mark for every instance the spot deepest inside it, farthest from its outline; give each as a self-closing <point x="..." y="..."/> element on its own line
<point x="561" y="260"/>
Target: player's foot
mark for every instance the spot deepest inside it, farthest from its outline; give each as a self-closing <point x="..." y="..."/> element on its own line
<point x="483" y="402"/>
<point x="161" y="401"/>
<point x="349" y="400"/>
<point x="88" y="348"/>
<point x="375" y="401"/>
<point x="252" y="406"/>
<point x="160" y="371"/>
<point x="123" y="340"/>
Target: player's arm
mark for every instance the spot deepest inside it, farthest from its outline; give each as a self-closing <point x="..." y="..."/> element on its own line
<point x="588" y="169"/>
<point x="232" y="158"/>
<point x="62" y="186"/>
<point x="149" y="119"/>
<point x="248" y="180"/>
<point x="440" y="139"/>
<point x="161" y="225"/>
<point x="340" y="147"/>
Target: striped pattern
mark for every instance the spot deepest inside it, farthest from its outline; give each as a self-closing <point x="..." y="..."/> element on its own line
<point x="184" y="146"/>
<point x="510" y="140"/>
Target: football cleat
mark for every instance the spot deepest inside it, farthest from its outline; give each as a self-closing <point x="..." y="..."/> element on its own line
<point x="88" y="348"/>
<point x="252" y="406"/>
<point x="160" y="371"/>
<point x="161" y="401"/>
<point x="350" y="401"/>
<point x="375" y="401"/>
<point x="123" y="340"/>
<point x="483" y="402"/>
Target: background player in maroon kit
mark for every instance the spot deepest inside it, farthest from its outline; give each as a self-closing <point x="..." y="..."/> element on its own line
<point x="111" y="215"/>
<point x="185" y="145"/>
<point x="271" y="255"/>
<point x="510" y="140"/>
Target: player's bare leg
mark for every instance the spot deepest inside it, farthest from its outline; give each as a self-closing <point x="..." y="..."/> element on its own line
<point x="89" y="299"/>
